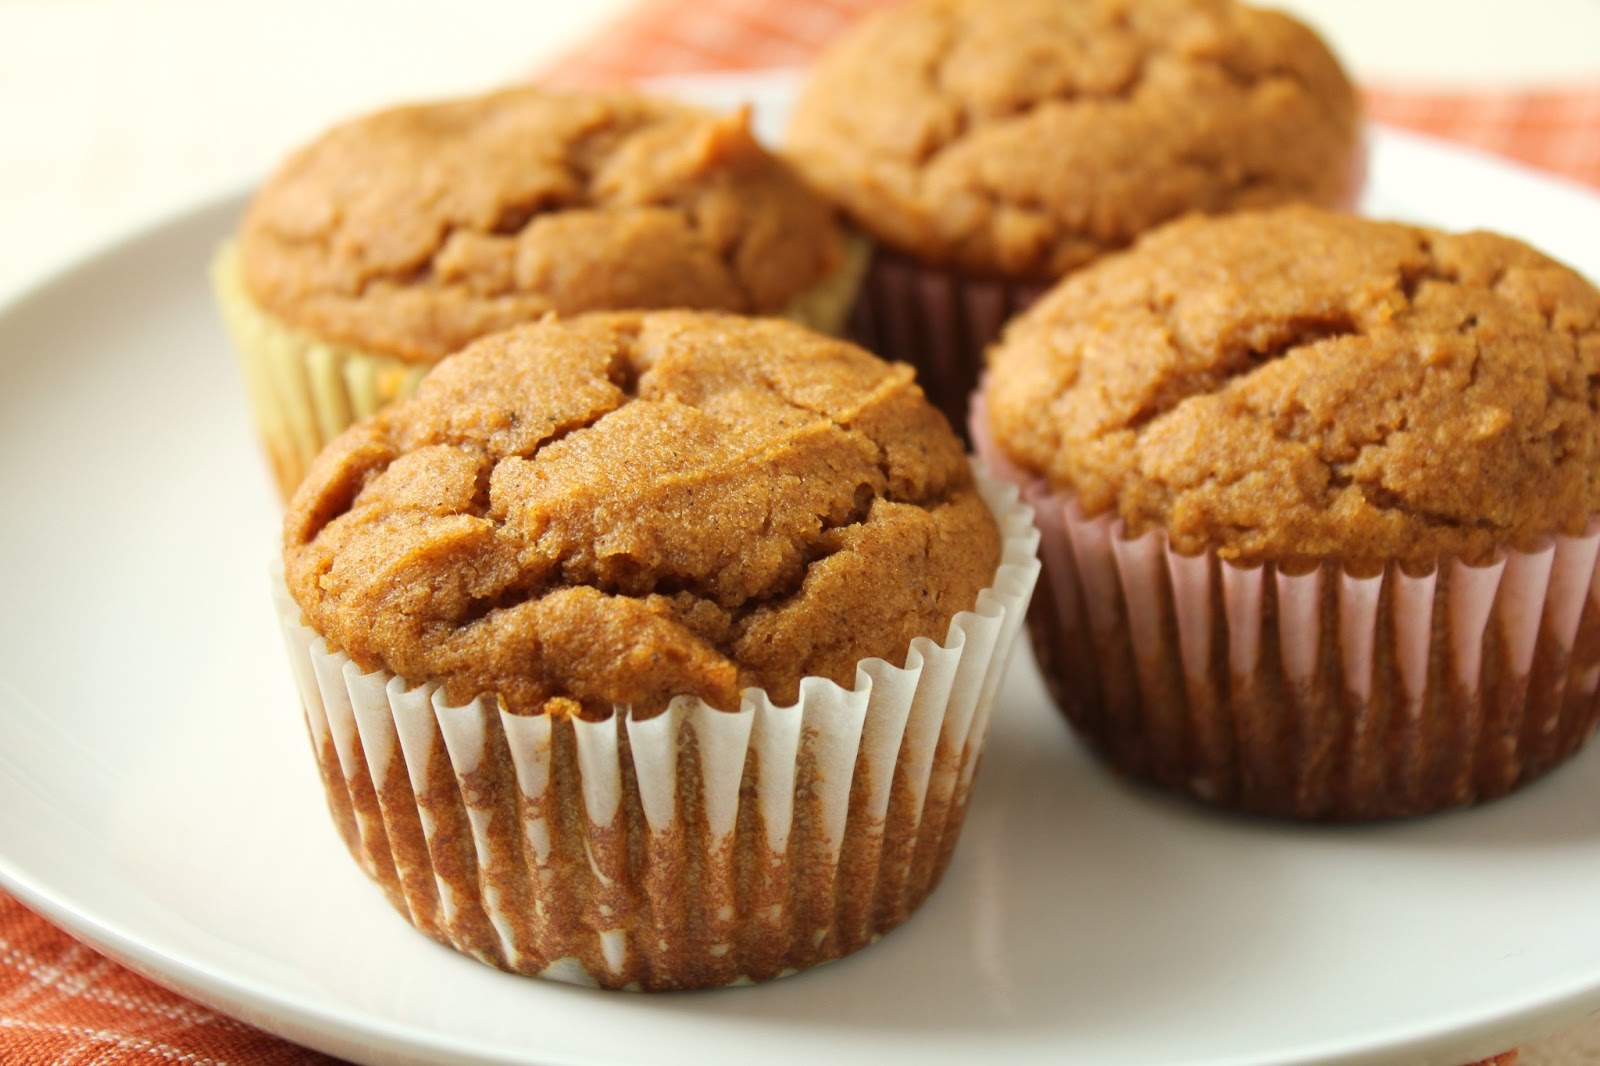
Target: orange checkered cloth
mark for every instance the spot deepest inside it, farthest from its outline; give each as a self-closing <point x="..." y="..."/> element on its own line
<point x="61" y="1003"/>
<point x="1557" y="130"/>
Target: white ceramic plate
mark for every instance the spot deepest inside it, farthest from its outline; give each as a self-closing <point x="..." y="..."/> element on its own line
<point x="157" y="797"/>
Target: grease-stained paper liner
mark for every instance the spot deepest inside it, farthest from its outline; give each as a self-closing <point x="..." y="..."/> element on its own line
<point x="303" y="393"/>
<point x="1316" y="695"/>
<point x="937" y="320"/>
<point x="942" y="322"/>
<point x="693" y="848"/>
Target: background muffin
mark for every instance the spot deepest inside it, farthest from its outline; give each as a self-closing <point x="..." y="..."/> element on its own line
<point x="1320" y="521"/>
<point x="399" y="237"/>
<point x="990" y="148"/>
<point x="619" y="593"/>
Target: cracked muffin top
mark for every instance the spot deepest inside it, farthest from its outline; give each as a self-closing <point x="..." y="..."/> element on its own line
<point x="410" y="232"/>
<point x="1022" y="139"/>
<point x="623" y="508"/>
<point x="1294" y="385"/>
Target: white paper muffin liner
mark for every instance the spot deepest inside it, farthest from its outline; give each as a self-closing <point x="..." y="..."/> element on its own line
<point x="693" y="848"/>
<point x="1317" y="695"/>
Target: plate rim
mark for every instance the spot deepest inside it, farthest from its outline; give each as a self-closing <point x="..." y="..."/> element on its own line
<point x="339" y="1032"/>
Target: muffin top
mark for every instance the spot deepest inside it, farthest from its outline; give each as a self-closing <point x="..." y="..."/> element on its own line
<point x="1022" y="139"/>
<point x="1294" y="385"/>
<point x="410" y="232"/>
<point x="623" y="508"/>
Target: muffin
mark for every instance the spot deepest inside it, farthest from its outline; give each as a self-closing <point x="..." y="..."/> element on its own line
<point x="653" y="650"/>
<point x="1318" y="500"/>
<point x="394" y="240"/>
<point x="990" y="148"/>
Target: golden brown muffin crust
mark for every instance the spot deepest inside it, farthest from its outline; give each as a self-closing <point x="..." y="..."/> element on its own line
<point x="624" y="508"/>
<point x="1294" y="385"/>
<point x="1023" y="138"/>
<point x="413" y="231"/>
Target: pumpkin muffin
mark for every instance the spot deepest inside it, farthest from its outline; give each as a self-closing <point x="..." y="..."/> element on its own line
<point x="990" y="148"/>
<point x="653" y="650"/>
<point x="397" y="238"/>
<point x="1318" y="495"/>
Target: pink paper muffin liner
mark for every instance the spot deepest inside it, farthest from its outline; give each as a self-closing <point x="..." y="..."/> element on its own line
<point x="942" y="322"/>
<point x="1322" y="695"/>
<point x="937" y="320"/>
<point x="692" y="848"/>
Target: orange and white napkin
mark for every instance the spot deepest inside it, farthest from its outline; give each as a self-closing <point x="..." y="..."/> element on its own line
<point x="61" y="1003"/>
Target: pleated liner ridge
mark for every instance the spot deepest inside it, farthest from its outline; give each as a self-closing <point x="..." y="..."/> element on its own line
<point x="940" y="321"/>
<point x="1320" y="695"/>
<point x="693" y="848"/>
<point x="303" y="393"/>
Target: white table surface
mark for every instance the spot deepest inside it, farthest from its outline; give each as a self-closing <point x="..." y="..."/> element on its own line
<point x="116" y="112"/>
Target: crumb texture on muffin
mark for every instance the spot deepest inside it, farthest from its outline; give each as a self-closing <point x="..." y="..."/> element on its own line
<point x="1023" y="138"/>
<point x="624" y="508"/>
<point x="410" y="232"/>
<point x="1294" y="385"/>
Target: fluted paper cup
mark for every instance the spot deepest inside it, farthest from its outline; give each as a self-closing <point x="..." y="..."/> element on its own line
<point x="693" y="848"/>
<point x="1318" y="695"/>
<point x="942" y="321"/>
<point x="303" y="393"/>
<point x="938" y="320"/>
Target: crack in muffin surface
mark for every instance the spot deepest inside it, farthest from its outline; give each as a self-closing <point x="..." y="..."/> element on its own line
<point x="1293" y="385"/>
<point x="622" y="508"/>
<point x="1022" y="139"/>
<point x="415" y="230"/>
